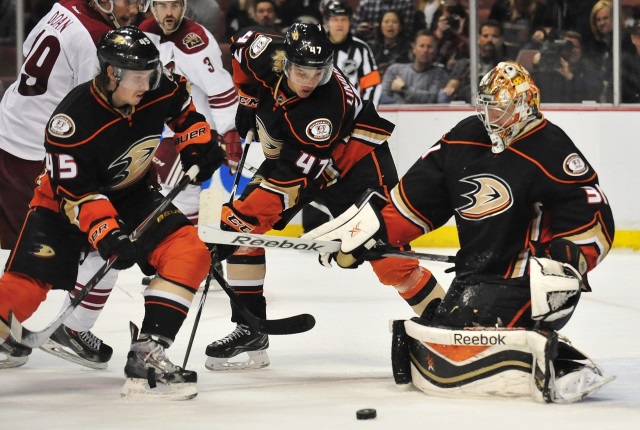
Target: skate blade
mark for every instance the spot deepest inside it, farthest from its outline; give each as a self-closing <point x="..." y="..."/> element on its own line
<point x="256" y="360"/>
<point x="138" y="389"/>
<point x="10" y="361"/>
<point x="54" y="348"/>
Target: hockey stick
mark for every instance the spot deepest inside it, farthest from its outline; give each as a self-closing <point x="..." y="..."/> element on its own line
<point x="212" y="234"/>
<point x="33" y="339"/>
<point x="290" y="325"/>
<point x="248" y="139"/>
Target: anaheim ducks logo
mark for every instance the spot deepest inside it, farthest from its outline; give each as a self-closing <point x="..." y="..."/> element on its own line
<point x="574" y="165"/>
<point x="134" y="163"/>
<point x="62" y="126"/>
<point x="192" y="40"/>
<point x="490" y="196"/>
<point x="43" y="251"/>
<point x="320" y="129"/>
<point x="259" y="45"/>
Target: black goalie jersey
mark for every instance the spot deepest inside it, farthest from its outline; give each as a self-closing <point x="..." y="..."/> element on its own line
<point x="507" y="206"/>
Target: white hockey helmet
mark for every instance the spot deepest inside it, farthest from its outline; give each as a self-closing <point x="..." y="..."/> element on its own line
<point x="143" y="6"/>
<point x="179" y="19"/>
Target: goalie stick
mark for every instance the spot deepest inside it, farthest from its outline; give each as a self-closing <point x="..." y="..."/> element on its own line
<point x="212" y="234"/>
<point x="34" y="339"/>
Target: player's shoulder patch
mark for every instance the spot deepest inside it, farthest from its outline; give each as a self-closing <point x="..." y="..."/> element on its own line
<point x="192" y="41"/>
<point x="319" y="129"/>
<point x="259" y="45"/>
<point x="62" y="125"/>
<point x="574" y="165"/>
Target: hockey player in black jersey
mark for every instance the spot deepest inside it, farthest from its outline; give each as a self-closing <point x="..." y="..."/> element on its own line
<point x="95" y="190"/>
<point x="321" y="143"/>
<point x="532" y="222"/>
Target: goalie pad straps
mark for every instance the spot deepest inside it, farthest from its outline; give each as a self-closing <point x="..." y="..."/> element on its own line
<point x="555" y="291"/>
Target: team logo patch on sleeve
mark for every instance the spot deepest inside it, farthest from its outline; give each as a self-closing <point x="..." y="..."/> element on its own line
<point x="62" y="126"/>
<point x="320" y="129"/>
<point x="259" y="45"/>
<point x="574" y="165"/>
<point x="192" y="40"/>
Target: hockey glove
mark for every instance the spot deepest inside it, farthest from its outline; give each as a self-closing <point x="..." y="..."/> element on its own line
<point x="358" y="229"/>
<point x="107" y="237"/>
<point x="245" y="119"/>
<point x="555" y="291"/>
<point x="208" y="157"/>
<point x="231" y="220"/>
<point x="230" y="142"/>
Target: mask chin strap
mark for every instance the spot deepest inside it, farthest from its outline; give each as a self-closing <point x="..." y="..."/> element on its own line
<point x="109" y="12"/>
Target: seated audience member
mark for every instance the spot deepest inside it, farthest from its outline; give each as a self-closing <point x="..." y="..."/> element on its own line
<point x="239" y="15"/>
<point x="390" y="45"/>
<point x="491" y="51"/>
<point x="630" y="74"/>
<point x="452" y="45"/>
<point x="419" y="82"/>
<point x="598" y="45"/>
<point x="369" y="12"/>
<point x="290" y="11"/>
<point x="265" y="15"/>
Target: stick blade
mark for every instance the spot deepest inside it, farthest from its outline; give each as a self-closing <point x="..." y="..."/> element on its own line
<point x="291" y="325"/>
<point x="209" y="210"/>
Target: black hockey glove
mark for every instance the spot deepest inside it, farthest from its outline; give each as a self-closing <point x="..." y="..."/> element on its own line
<point x="208" y="157"/>
<point x="245" y="120"/>
<point x="118" y="243"/>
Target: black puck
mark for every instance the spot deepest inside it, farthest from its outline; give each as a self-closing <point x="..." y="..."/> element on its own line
<point x="147" y="280"/>
<point x="366" y="414"/>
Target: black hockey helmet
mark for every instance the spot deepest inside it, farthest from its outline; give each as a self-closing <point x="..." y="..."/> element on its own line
<point x="337" y="8"/>
<point x="308" y="46"/>
<point x="128" y="48"/>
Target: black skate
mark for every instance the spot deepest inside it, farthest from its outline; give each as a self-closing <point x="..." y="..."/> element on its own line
<point x="150" y="373"/>
<point x="80" y="347"/>
<point x="241" y="340"/>
<point x="15" y="354"/>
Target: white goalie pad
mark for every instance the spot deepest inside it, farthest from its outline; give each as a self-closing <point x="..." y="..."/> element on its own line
<point x="487" y="362"/>
<point x="555" y="289"/>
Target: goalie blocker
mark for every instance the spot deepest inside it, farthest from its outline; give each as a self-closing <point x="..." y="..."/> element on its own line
<point x="492" y="362"/>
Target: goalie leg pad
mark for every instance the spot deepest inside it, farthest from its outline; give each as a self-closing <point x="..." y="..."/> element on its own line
<point x="492" y="362"/>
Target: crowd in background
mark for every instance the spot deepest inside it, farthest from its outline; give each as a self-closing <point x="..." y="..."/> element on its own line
<point x="421" y="48"/>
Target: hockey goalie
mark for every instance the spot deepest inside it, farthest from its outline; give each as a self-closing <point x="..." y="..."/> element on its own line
<point x="532" y="221"/>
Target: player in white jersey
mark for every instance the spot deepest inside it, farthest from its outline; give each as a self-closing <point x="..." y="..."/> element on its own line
<point x="60" y="53"/>
<point x="189" y="49"/>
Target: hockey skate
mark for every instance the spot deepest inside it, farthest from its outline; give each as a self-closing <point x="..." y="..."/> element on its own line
<point x="577" y="382"/>
<point x="15" y="354"/>
<point x="150" y="373"/>
<point x="239" y="341"/>
<point x="80" y="347"/>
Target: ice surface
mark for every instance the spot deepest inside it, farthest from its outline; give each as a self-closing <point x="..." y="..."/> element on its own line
<point x="317" y="380"/>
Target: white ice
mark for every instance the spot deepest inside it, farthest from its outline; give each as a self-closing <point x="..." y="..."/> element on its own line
<point x="317" y="380"/>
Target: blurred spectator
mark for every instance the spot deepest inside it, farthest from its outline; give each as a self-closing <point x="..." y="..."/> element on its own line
<point x="390" y="45"/>
<point x="352" y="55"/>
<point x="265" y="15"/>
<point x="208" y="14"/>
<point x="599" y="46"/>
<point x="519" y="18"/>
<point x="452" y="45"/>
<point x="419" y="82"/>
<point x="490" y="52"/>
<point x="7" y="22"/>
<point x="369" y="13"/>
<point x="630" y="69"/>
<point x="452" y="9"/>
<point x="291" y="11"/>
<point x="240" y="14"/>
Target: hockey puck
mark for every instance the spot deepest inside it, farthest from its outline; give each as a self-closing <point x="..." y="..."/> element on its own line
<point x="147" y="280"/>
<point x="366" y="414"/>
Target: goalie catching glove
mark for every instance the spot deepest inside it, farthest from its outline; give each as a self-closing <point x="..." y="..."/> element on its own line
<point x="555" y="290"/>
<point x="358" y="229"/>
